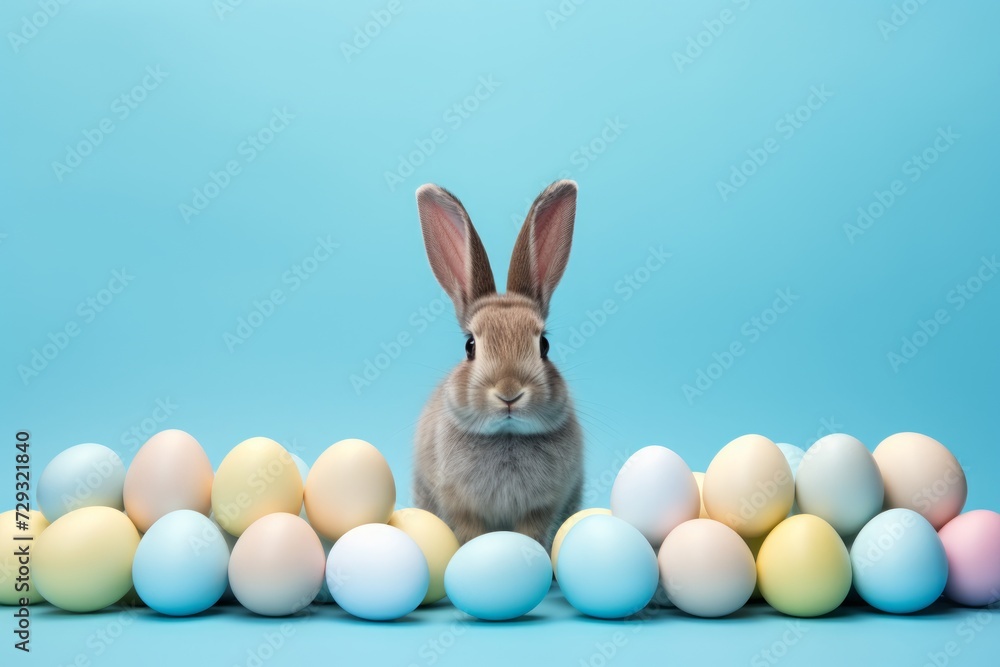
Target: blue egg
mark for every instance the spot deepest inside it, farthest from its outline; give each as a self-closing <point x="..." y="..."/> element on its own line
<point x="498" y="576"/>
<point x="899" y="562"/>
<point x="793" y="455"/>
<point x="182" y="563"/>
<point x="86" y="475"/>
<point x="606" y="568"/>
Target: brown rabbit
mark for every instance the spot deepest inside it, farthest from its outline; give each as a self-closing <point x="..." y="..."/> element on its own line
<point x="498" y="445"/>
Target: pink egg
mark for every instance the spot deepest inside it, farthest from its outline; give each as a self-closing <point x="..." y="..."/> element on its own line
<point x="277" y="565"/>
<point x="972" y="544"/>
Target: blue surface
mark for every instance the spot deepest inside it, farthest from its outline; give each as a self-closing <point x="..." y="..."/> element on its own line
<point x="259" y="142"/>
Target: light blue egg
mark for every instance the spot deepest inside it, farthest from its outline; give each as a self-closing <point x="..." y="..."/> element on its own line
<point x="606" y="568"/>
<point x="181" y="565"/>
<point x="86" y="475"/>
<point x="498" y="576"/>
<point x="794" y="456"/>
<point x="899" y="562"/>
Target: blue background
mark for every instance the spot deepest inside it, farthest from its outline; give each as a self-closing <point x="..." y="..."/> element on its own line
<point x="678" y="129"/>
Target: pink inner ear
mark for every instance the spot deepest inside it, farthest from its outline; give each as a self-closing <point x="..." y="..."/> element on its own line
<point x="553" y="232"/>
<point x="445" y="237"/>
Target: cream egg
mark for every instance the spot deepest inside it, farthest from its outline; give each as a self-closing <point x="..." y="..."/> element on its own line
<point x="349" y="485"/>
<point x="749" y="486"/>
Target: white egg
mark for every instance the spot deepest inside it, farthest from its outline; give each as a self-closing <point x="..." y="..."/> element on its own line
<point x="839" y="482"/>
<point x="377" y="572"/>
<point x="655" y="491"/>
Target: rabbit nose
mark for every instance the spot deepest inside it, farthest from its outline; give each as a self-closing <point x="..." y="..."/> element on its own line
<point x="508" y="391"/>
<point x="510" y="401"/>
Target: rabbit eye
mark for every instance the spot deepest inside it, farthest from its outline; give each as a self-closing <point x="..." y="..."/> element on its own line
<point x="470" y="348"/>
<point x="544" y="345"/>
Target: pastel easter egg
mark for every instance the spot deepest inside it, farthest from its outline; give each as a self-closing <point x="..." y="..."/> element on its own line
<point x="499" y="576"/>
<point x="83" y="560"/>
<point x="87" y="475"/>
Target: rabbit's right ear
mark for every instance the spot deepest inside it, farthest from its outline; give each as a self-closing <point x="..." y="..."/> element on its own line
<point x="457" y="256"/>
<point x="542" y="247"/>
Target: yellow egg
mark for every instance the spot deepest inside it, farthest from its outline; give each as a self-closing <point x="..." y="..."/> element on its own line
<point x="749" y="486"/>
<point x="434" y="538"/>
<point x="699" y="478"/>
<point x="567" y="525"/>
<point x="171" y="471"/>
<point x="803" y="567"/>
<point x="83" y="561"/>
<point x="258" y="477"/>
<point x="349" y="485"/>
<point x="12" y="581"/>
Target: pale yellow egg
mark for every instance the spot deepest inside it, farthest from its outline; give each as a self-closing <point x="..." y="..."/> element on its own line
<point x="83" y="561"/>
<point x="434" y="538"/>
<point x="258" y="477"/>
<point x="803" y="568"/>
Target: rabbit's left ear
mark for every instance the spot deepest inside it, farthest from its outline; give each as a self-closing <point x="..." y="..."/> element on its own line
<point x="457" y="256"/>
<point x="542" y="248"/>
